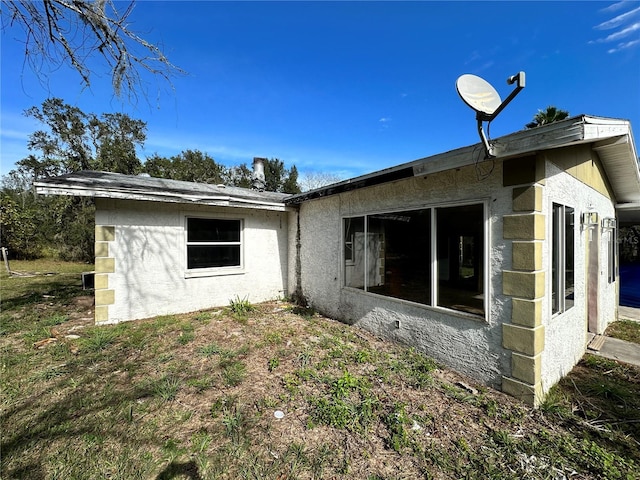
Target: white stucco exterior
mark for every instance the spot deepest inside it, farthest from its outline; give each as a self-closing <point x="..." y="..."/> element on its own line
<point x="499" y="326"/>
<point x="149" y="249"/>
<point x="468" y="343"/>
<point x="566" y="334"/>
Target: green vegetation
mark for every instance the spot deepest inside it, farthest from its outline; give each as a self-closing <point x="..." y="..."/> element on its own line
<point x="241" y="307"/>
<point x="282" y="394"/>
<point x="70" y="140"/>
<point x="628" y="330"/>
<point x="548" y="115"/>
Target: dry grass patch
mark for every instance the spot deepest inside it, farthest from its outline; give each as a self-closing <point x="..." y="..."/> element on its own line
<point x="276" y="391"/>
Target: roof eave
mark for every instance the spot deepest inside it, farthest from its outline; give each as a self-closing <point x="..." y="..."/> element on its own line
<point x="572" y="131"/>
<point x="51" y="188"/>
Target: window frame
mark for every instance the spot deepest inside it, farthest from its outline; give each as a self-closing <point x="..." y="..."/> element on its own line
<point x="434" y="280"/>
<point x="612" y="251"/>
<point x="559" y="256"/>
<point x="215" y="270"/>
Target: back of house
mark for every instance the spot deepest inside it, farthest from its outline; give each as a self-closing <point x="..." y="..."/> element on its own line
<point x="497" y="267"/>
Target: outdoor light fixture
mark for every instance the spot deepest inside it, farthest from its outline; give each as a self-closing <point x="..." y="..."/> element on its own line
<point x="589" y="220"/>
<point x="608" y="223"/>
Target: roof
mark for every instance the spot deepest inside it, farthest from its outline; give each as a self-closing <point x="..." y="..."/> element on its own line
<point x="131" y="187"/>
<point x="612" y="139"/>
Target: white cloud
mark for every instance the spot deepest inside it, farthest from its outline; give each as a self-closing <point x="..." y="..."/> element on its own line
<point x="614" y="7"/>
<point x="624" y="46"/>
<point x="623" y="33"/>
<point x="623" y="26"/>
<point x="617" y="21"/>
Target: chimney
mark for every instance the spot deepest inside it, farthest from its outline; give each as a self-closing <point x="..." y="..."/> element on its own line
<point x="259" y="182"/>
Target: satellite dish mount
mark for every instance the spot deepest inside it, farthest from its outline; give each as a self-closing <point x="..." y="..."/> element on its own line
<point x="484" y="99"/>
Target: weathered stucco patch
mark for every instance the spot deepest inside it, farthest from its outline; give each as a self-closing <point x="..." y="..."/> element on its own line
<point x="528" y="285"/>
<point x="527" y="255"/>
<point x="105" y="297"/>
<point x="527" y="313"/>
<point x="105" y="233"/>
<point x="105" y="265"/>
<point x="529" y="226"/>
<point x="527" y="199"/>
<point x="529" y="394"/>
<point x="529" y="341"/>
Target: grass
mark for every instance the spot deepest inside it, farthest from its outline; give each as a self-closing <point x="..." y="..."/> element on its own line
<point x="195" y="396"/>
<point x="628" y="330"/>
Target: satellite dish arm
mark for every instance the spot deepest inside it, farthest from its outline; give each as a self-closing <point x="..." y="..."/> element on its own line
<point x="485" y="117"/>
<point x="482" y="97"/>
<point x="487" y="147"/>
<point x="520" y="79"/>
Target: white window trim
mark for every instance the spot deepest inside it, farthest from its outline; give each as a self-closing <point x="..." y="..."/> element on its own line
<point x="560" y="281"/>
<point x="213" y="271"/>
<point x="434" y="264"/>
<point x="612" y="254"/>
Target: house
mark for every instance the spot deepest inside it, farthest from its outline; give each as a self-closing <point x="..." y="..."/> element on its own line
<point x="499" y="268"/>
<point x="165" y="246"/>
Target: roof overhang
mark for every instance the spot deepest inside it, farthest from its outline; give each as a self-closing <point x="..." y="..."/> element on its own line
<point x="628" y="213"/>
<point x="612" y="139"/>
<point x="128" y="187"/>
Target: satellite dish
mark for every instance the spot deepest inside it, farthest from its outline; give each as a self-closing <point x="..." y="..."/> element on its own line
<point x="485" y="101"/>
<point x="478" y="94"/>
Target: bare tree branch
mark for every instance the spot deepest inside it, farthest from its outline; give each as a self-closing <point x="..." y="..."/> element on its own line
<point x="73" y="32"/>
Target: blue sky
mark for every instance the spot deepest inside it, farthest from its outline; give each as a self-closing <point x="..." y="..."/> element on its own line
<point x="346" y="87"/>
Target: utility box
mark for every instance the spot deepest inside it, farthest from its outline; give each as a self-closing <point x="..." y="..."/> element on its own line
<point x="88" y="280"/>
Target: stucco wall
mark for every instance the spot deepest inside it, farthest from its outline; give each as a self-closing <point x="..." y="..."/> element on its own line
<point x="149" y="252"/>
<point x="467" y="343"/>
<point x="566" y="333"/>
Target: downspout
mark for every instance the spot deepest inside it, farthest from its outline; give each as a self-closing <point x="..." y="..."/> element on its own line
<point x="298" y="296"/>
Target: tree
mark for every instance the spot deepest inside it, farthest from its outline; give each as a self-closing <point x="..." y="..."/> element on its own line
<point x="549" y="115"/>
<point x="71" y="140"/>
<point x="72" y="32"/>
<point x="74" y="140"/>
<point x="313" y="180"/>
<point x="19" y="230"/>
<point x="66" y="144"/>
<point x="189" y="165"/>
<point x="240" y="176"/>
<point x="290" y="183"/>
<point x="116" y="137"/>
<point x="277" y="177"/>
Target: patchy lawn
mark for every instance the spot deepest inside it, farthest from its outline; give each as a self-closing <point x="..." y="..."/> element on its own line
<point x="275" y="391"/>
<point x="628" y="330"/>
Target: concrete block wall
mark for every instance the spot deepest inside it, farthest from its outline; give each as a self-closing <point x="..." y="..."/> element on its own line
<point x="105" y="265"/>
<point x="525" y="282"/>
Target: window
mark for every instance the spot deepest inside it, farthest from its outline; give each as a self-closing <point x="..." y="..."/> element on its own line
<point x="562" y="258"/>
<point x="433" y="256"/>
<point x="610" y="231"/>
<point x="460" y="237"/>
<point x="213" y="243"/>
